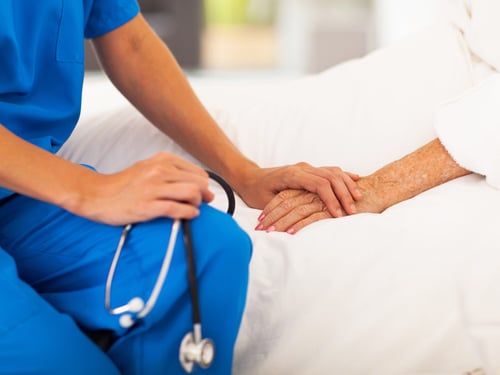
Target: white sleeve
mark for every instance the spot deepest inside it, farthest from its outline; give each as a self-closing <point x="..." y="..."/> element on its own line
<point x="478" y="20"/>
<point x="469" y="128"/>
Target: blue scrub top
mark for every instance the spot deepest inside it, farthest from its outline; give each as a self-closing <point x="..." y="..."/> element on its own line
<point x="41" y="63"/>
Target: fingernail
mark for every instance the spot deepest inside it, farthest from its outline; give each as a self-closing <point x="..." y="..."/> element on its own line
<point x="262" y="216"/>
<point x="291" y="231"/>
<point x="353" y="208"/>
<point x="259" y="227"/>
<point x="338" y="213"/>
<point x="272" y="228"/>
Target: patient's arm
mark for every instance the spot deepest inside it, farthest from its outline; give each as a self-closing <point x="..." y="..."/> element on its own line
<point x="429" y="166"/>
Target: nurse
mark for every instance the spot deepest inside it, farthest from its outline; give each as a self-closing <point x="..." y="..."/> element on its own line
<point x="61" y="222"/>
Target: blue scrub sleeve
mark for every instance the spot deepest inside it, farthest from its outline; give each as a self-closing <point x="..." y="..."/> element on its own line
<point x="107" y="15"/>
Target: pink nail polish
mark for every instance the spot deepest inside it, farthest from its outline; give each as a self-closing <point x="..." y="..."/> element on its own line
<point x="262" y="216"/>
<point x="291" y="231"/>
<point x="259" y="227"/>
<point x="271" y="229"/>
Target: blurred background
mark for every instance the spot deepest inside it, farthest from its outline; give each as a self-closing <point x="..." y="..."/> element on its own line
<point x="281" y="36"/>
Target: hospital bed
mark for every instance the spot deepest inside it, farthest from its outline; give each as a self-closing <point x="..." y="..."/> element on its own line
<point x="414" y="290"/>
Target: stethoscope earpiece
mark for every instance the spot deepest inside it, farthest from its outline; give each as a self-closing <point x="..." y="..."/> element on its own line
<point x="126" y="321"/>
<point x="136" y="304"/>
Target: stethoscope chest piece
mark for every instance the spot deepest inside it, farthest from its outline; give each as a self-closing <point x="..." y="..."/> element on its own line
<point x="194" y="350"/>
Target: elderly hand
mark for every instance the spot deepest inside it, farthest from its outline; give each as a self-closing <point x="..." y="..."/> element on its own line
<point x="291" y="210"/>
<point x="336" y="188"/>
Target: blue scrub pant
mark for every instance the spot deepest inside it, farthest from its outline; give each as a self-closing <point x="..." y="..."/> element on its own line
<point x="66" y="258"/>
<point x="35" y="339"/>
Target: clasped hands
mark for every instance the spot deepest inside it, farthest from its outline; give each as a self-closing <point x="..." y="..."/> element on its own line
<point x="293" y="209"/>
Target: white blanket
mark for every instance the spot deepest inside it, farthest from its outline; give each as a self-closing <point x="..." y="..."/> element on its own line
<point x="414" y="290"/>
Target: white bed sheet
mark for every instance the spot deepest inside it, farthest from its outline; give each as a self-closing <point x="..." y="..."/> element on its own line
<point x="414" y="290"/>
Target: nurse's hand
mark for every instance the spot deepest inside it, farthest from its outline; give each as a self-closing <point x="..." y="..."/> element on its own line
<point x="335" y="187"/>
<point x="161" y="186"/>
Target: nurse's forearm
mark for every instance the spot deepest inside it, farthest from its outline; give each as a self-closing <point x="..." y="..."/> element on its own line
<point x="145" y="71"/>
<point x="31" y="171"/>
<point x="425" y="168"/>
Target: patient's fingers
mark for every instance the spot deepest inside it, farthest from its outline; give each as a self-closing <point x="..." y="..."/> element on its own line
<point x="317" y="216"/>
<point x="291" y="210"/>
<point x="279" y="198"/>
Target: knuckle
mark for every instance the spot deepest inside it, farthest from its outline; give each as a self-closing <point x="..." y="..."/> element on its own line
<point x="191" y="191"/>
<point x="316" y="199"/>
<point x="157" y="158"/>
<point x="156" y="168"/>
<point x="176" y="210"/>
<point x="303" y="210"/>
<point x="302" y="164"/>
<point x="323" y="185"/>
<point x="283" y="195"/>
<point x="169" y="207"/>
<point x="320" y="216"/>
<point x="164" y="155"/>
<point x="286" y="205"/>
<point x="324" y="209"/>
<point x="319" y="204"/>
<point x="312" y="198"/>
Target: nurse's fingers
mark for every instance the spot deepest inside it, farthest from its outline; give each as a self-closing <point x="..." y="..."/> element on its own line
<point x="163" y="169"/>
<point x="146" y="190"/>
<point x="179" y="163"/>
<point x="334" y="186"/>
<point x="345" y="190"/>
<point x="173" y="209"/>
<point x="187" y="178"/>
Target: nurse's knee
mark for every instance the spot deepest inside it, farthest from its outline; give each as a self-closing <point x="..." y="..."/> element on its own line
<point x="222" y="241"/>
<point x="236" y="244"/>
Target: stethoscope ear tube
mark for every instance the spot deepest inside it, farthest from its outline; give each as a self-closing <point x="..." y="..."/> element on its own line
<point x="231" y="202"/>
<point x="191" y="271"/>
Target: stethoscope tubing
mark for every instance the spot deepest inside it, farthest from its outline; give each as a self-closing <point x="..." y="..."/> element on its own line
<point x="144" y="310"/>
<point x="137" y="306"/>
<point x="231" y="201"/>
<point x="193" y="285"/>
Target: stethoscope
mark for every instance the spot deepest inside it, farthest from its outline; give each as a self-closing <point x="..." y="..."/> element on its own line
<point x="194" y="349"/>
